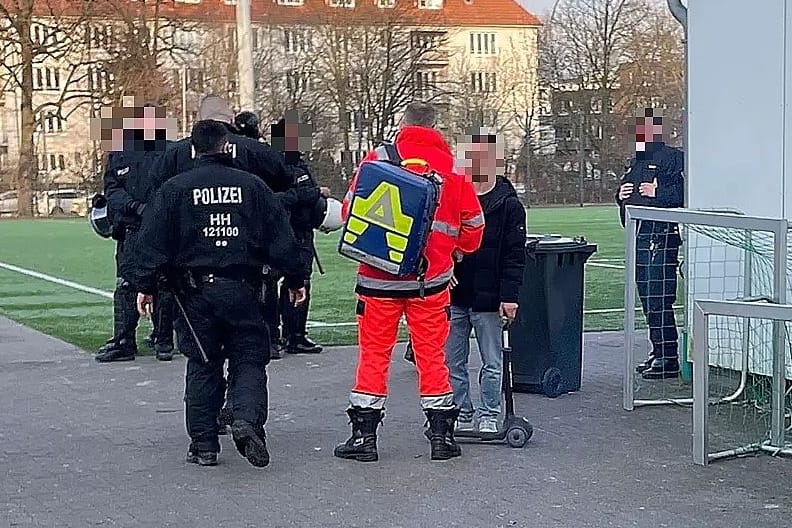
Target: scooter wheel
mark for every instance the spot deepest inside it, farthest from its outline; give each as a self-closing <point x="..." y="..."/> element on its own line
<point x="517" y="437"/>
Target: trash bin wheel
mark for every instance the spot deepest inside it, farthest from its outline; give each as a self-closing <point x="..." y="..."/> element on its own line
<point x="552" y="382"/>
<point x="517" y="436"/>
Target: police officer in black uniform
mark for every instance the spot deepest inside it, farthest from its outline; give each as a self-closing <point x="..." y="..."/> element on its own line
<point x="210" y="230"/>
<point x="302" y="202"/>
<point x="654" y="178"/>
<point x="248" y="154"/>
<point x="248" y="124"/>
<point x="127" y="188"/>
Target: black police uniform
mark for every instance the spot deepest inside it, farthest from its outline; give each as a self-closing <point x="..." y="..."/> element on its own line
<point x="128" y="187"/>
<point x="211" y="230"/>
<point x="300" y="201"/>
<point x="247" y="153"/>
<point x="657" y="252"/>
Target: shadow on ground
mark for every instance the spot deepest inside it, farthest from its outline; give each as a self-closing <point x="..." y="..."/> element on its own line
<point x="83" y="444"/>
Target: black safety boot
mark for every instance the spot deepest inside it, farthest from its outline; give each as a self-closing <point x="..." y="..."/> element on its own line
<point x="662" y="368"/>
<point x="107" y="344"/>
<point x="362" y="445"/>
<point x="251" y="442"/>
<point x="164" y="352"/>
<point x="202" y="458"/>
<point x="276" y="349"/>
<point x="121" y="351"/>
<point x="441" y="433"/>
<point x="645" y="364"/>
<point x="300" y="344"/>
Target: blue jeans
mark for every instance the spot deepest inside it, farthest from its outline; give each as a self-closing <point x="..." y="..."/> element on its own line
<point x="488" y="335"/>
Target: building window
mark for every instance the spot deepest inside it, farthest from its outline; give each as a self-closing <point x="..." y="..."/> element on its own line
<point x="483" y="82"/>
<point x="99" y="80"/>
<point x="296" y="40"/>
<point x="342" y="3"/>
<point x="427" y="39"/>
<point x="386" y="3"/>
<point x="290" y="2"/>
<point x="50" y="123"/>
<point x="482" y="44"/>
<point x="98" y="37"/>
<point x="425" y="83"/>
<point x="297" y="81"/>
<point x="46" y="78"/>
<point x="185" y="38"/>
<point x="430" y="4"/>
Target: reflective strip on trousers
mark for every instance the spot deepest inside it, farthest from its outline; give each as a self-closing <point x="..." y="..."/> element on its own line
<point x="441" y="403"/>
<point x="445" y="228"/>
<point x="403" y="285"/>
<point x="368" y="401"/>
<point x="475" y="221"/>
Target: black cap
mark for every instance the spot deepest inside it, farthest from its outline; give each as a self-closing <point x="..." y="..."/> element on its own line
<point x="248" y="124"/>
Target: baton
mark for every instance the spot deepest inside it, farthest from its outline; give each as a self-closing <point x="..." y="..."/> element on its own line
<point x="192" y="330"/>
<point x="316" y="257"/>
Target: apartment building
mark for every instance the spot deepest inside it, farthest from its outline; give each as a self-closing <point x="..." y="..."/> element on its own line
<point x="476" y="59"/>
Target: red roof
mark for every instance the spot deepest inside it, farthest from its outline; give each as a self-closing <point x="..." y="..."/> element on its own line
<point x="455" y="13"/>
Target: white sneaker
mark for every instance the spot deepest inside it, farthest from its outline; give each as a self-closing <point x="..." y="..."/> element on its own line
<point x="488" y="426"/>
<point x="464" y="425"/>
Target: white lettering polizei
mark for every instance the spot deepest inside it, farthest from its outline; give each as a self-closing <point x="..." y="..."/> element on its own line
<point x="217" y="195"/>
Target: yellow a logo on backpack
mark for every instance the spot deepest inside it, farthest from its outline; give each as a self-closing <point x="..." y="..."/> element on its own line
<point x="383" y="209"/>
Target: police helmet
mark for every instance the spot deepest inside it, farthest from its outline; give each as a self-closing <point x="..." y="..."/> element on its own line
<point x="248" y="124"/>
<point x="98" y="216"/>
<point x="328" y="215"/>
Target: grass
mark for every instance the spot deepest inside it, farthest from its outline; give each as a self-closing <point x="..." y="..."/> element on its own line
<point x="68" y="249"/>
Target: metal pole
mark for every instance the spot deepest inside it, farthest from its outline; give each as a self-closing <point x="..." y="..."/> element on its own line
<point x="700" y="384"/>
<point x="184" y="100"/>
<point x="630" y="233"/>
<point x="582" y="160"/>
<point x="245" y="55"/>
<point x="779" y="360"/>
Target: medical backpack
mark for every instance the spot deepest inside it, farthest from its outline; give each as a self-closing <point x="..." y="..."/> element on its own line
<point x="391" y="213"/>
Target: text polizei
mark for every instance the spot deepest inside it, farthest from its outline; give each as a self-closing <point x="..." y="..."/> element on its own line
<point x="217" y="195"/>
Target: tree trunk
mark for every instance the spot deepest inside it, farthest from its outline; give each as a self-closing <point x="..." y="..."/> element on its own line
<point x="27" y="162"/>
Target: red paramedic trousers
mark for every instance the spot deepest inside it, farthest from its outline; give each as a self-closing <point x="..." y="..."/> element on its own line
<point x="378" y="327"/>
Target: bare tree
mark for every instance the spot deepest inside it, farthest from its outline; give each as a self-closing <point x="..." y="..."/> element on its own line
<point x="38" y="40"/>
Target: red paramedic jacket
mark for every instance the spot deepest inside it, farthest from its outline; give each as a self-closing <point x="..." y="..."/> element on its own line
<point x="458" y="222"/>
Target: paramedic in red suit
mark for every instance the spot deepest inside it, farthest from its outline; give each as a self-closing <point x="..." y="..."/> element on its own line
<point x="383" y="299"/>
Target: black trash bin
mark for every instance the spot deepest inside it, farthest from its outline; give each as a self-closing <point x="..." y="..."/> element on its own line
<point x="547" y="337"/>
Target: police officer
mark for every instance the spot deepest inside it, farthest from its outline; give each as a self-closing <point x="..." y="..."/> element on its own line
<point x="289" y="135"/>
<point x="211" y="230"/>
<point x="248" y="154"/>
<point x="127" y="189"/>
<point x="654" y="178"/>
<point x="248" y="124"/>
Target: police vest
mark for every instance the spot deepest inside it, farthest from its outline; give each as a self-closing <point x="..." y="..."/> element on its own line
<point x="391" y="213"/>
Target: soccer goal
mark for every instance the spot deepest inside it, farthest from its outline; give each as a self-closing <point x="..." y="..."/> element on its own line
<point x="727" y="257"/>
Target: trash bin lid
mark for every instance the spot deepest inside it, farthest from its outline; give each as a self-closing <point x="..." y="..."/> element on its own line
<point x="552" y="242"/>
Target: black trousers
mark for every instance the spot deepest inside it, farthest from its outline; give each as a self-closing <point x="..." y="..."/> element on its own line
<point x="226" y="317"/>
<point x="125" y="314"/>
<point x="271" y="308"/>
<point x="162" y="320"/>
<point x="657" y="261"/>
<point x="295" y="318"/>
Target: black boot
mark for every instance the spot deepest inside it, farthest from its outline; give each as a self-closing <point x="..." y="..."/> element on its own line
<point x="164" y="352"/>
<point x="251" y="442"/>
<point x="300" y="344"/>
<point x="276" y="349"/>
<point x="202" y="458"/>
<point x="123" y="350"/>
<point x="645" y="364"/>
<point x="441" y="433"/>
<point x="662" y="368"/>
<point x="362" y="445"/>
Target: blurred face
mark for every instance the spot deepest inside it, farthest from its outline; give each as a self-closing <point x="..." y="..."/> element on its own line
<point x="483" y="162"/>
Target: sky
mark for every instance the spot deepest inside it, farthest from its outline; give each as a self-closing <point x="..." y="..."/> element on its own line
<point x="537" y="7"/>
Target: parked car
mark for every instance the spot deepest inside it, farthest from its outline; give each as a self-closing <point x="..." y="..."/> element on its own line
<point x="63" y="201"/>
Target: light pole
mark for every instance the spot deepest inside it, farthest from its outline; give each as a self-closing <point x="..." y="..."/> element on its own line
<point x="245" y="55"/>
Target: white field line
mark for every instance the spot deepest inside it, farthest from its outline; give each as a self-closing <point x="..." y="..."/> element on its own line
<point x="311" y="324"/>
<point x="602" y="265"/>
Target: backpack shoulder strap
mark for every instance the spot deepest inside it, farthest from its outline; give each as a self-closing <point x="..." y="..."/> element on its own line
<point x="387" y="152"/>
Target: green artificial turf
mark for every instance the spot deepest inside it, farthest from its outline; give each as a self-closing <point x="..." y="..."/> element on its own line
<point x="68" y="249"/>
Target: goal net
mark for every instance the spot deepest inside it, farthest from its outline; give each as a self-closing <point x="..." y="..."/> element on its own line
<point x="727" y="257"/>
